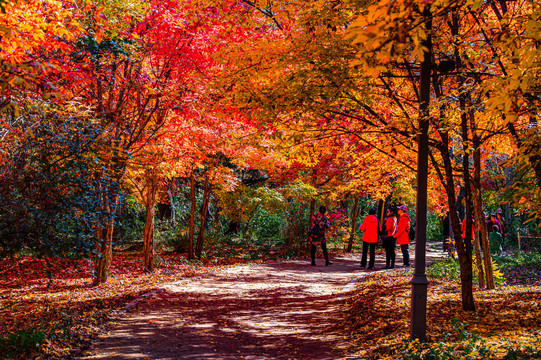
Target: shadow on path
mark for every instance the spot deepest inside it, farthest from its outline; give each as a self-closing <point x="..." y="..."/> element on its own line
<point x="285" y="310"/>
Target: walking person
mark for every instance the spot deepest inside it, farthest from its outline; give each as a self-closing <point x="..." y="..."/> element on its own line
<point x="370" y="227"/>
<point x="446" y="232"/>
<point x="320" y="223"/>
<point x="495" y="240"/>
<point x="389" y="240"/>
<point x="402" y="233"/>
<point x="503" y="223"/>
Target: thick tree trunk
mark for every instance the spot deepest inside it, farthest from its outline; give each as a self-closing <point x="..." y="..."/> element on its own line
<point x="464" y="248"/>
<point x="467" y="245"/>
<point x="353" y="224"/>
<point x="104" y="251"/>
<point x="204" y="209"/>
<point x="192" y="217"/>
<point x="148" y="235"/>
<point x="464" y="256"/>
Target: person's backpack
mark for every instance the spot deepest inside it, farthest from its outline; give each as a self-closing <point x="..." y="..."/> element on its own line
<point x="316" y="231"/>
<point x="411" y="232"/>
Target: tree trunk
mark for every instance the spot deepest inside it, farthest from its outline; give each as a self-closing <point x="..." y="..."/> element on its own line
<point x="464" y="256"/>
<point x="478" y="224"/>
<point x="312" y="211"/>
<point x="104" y="250"/>
<point x="192" y="217"/>
<point x="479" y="216"/>
<point x="204" y="209"/>
<point x="148" y="235"/>
<point x="381" y="210"/>
<point x="353" y="224"/>
<point x="464" y="246"/>
<point x="467" y="244"/>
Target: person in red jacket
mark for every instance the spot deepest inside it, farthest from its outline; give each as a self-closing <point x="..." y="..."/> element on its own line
<point x="463" y="228"/>
<point x="402" y="233"/>
<point x="389" y="240"/>
<point x="370" y="227"/>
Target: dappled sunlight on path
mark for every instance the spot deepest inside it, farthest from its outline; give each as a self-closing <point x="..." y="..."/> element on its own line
<point x="280" y="310"/>
<point x="287" y="310"/>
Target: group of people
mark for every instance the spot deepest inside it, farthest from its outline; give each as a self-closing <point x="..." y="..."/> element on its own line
<point x="496" y="230"/>
<point x="394" y="230"/>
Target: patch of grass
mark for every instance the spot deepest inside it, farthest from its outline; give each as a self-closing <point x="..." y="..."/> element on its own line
<point x="445" y="269"/>
<point x="449" y="269"/>
<point x="518" y="259"/>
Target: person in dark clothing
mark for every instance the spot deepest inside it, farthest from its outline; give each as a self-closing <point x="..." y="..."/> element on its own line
<point x="493" y="221"/>
<point x="446" y="232"/>
<point x="503" y="223"/>
<point x="389" y="241"/>
<point x="370" y="227"/>
<point x="495" y="240"/>
<point x="320" y="223"/>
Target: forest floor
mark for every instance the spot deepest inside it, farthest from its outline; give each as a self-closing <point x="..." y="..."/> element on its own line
<point x="279" y="310"/>
<point x="232" y="307"/>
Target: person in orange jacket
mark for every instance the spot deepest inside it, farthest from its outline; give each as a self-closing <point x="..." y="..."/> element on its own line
<point x="370" y="227"/>
<point x="389" y="239"/>
<point x="402" y="233"/>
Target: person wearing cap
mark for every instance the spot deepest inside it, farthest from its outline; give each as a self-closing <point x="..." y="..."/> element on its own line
<point x="370" y="227"/>
<point x="402" y="233"/>
<point x="503" y="224"/>
<point x="389" y="240"/>
<point x="494" y="221"/>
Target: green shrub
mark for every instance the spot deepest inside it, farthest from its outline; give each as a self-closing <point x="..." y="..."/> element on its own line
<point x="22" y="342"/>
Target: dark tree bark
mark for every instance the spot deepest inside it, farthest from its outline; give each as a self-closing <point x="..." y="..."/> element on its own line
<point x="479" y="215"/>
<point x="204" y="210"/>
<point x="353" y="224"/>
<point x="148" y="234"/>
<point x="192" y="217"/>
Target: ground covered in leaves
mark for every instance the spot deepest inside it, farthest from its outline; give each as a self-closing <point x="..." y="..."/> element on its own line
<point x="505" y="325"/>
<point x="49" y="310"/>
<point x="48" y="307"/>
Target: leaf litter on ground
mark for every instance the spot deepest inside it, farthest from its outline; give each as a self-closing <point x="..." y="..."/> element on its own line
<point x="49" y="309"/>
<point x="505" y="325"/>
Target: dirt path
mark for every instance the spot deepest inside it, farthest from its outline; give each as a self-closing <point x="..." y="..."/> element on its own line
<point x="286" y="310"/>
